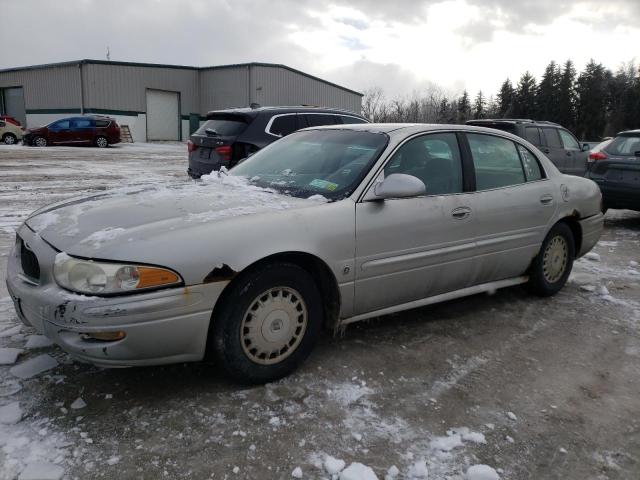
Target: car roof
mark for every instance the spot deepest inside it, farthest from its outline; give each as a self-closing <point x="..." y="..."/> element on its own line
<point x="253" y="112"/>
<point x="629" y="133"/>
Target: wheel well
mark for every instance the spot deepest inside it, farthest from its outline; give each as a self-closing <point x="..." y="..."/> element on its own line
<point x="319" y="271"/>
<point x="576" y="230"/>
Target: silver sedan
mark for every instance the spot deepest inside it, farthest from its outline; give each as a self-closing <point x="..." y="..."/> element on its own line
<point x="322" y="228"/>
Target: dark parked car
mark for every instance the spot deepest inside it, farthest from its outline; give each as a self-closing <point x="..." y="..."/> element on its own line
<point x="615" y="167"/>
<point x="557" y="143"/>
<point x="228" y="136"/>
<point x="88" y="130"/>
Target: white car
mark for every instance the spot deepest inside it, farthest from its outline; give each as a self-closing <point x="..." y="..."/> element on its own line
<point x="10" y="134"/>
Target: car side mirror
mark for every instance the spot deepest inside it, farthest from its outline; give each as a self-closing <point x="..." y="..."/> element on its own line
<point x="397" y="185"/>
<point x="585" y="147"/>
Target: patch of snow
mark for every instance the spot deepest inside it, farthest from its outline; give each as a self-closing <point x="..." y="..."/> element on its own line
<point x="78" y="403"/>
<point x="107" y="234"/>
<point x="8" y="356"/>
<point x="392" y="473"/>
<point x="297" y="472"/>
<point x="419" y="470"/>
<point x="11" y="413"/>
<point x="349" y="393"/>
<point x="236" y="470"/>
<point x="588" y="288"/>
<point x="34" y="366"/>
<point x="113" y="460"/>
<point x="333" y="465"/>
<point x="562" y="450"/>
<point x="512" y="416"/>
<point x="42" y="471"/>
<point x="37" y="341"/>
<point x="9" y="332"/>
<point x="446" y="444"/>
<point x="482" y="472"/>
<point x="593" y="256"/>
<point x="9" y="387"/>
<point x="633" y="263"/>
<point x="318" y="198"/>
<point x="358" y="471"/>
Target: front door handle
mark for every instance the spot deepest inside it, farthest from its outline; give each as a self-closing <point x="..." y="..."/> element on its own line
<point x="461" y="213"/>
<point x="546" y="150"/>
<point x="546" y="199"/>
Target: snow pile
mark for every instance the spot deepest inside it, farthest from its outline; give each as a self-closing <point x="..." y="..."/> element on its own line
<point x="358" y="471"/>
<point x="10" y="414"/>
<point x="333" y="465"/>
<point x="105" y="235"/>
<point x="419" y="470"/>
<point x="37" y="341"/>
<point x="8" y="356"/>
<point x="42" y="471"/>
<point x="297" y="472"/>
<point x="482" y="472"/>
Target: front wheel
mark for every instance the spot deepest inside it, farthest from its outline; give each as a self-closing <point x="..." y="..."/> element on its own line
<point x="268" y="324"/>
<point x="9" y="139"/>
<point x="102" y="142"/>
<point x="552" y="266"/>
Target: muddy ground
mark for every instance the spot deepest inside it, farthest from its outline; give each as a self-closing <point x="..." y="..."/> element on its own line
<point x="553" y="385"/>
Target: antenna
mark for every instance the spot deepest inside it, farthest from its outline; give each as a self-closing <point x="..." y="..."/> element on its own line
<point x="108" y="53"/>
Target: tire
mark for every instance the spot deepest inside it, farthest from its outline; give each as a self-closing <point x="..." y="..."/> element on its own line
<point x="276" y="306"/>
<point x="552" y="266"/>
<point x="101" y="142"/>
<point x="9" y="139"/>
<point x="39" y="142"/>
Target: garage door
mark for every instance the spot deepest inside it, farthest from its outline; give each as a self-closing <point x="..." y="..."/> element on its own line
<point x="163" y="115"/>
<point x="12" y="103"/>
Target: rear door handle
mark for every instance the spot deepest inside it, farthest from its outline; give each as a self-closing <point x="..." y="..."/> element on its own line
<point x="461" y="213"/>
<point x="546" y="150"/>
<point x="546" y="199"/>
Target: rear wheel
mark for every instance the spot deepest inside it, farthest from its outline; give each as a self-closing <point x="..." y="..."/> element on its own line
<point x="552" y="266"/>
<point x="102" y="142"/>
<point x="40" y="142"/>
<point x="268" y="324"/>
<point x="9" y="138"/>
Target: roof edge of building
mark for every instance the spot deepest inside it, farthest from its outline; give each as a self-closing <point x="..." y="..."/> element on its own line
<point x="88" y="61"/>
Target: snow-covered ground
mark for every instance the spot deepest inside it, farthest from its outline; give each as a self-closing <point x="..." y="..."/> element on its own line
<point x="505" y="386"/>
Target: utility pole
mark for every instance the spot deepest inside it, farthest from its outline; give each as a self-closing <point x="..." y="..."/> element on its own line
<point x="108" y="53"/>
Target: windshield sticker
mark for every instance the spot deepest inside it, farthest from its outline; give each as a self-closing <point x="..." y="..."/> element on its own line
<point x="318" y="183"/>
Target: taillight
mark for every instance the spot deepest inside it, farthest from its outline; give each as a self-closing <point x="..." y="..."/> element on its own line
<point x="225" y="152"/>
<point x="191" y="147"/>
<point x="594" y="156"/>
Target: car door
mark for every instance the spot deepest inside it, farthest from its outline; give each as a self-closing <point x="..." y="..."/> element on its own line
<point x="554" y="149"/>
<point x="60" y="132"/>
<point x="82" y="130"/>
<point x="412" y="248"/>
<point x="577" y="158"/>
<point x="513" y="204"/>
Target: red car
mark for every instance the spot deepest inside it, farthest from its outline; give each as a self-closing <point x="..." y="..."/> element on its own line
<point x="87" y="130"/>
<point x="10" y="119"/>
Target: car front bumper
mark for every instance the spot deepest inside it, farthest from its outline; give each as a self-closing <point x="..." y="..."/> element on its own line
<point x="161" y="327"/>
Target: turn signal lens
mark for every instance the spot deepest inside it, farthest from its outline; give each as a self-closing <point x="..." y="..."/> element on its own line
<point x="152" y="277"/>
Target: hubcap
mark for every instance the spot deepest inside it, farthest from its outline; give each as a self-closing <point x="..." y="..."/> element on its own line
<point x="9" y="140"/>
<point x="41" y="142"/>
<point x="274" y="325"/>
<point x="102" y="142"/>
<point x="555" y="258"/>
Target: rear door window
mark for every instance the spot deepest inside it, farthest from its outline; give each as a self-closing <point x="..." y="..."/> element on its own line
<point x="224" y="126"/>
<point x="102" y="123"/>
<point x="532" y="134"/>
<point x="496" y="161"/>
<point x="569" y="142"/>
<point x="318" y="119"/>
<point x="532" y="169"/>
<point x="283" y="125"/>
<point x="552" y="137"/>
<point x="81" y="123"/>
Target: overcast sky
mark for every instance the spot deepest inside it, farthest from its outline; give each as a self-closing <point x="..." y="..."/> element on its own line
<point x="399" y="45"/>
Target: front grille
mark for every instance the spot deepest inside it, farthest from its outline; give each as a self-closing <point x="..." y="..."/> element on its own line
<point x="29" y="261"/>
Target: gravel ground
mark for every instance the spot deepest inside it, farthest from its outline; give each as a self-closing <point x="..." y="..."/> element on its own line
<point x="535" y="388"/>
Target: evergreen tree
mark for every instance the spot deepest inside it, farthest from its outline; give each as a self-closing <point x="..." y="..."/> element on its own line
<point x="592" y="89"/>
<point x="566" y="110"/>
<point x="464" y="108"/>
<point x="444" y="111"/>
<point x="506" y="98"/>
<point x="548" y="93"/>
<point x="525" y="97"/>
<point x="480" y="106"/>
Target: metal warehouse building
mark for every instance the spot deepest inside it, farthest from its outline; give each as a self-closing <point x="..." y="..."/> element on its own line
<point x="158" y="102"/>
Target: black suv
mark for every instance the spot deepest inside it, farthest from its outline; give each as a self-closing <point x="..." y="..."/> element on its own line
<point x="556" y="142"/>
<point x="228" y="136"/>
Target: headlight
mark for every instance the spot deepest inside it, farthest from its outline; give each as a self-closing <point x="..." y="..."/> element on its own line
<point x="102" y="278"/>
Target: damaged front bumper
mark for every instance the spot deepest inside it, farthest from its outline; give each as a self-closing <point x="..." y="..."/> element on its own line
<point x="165" y="326"/>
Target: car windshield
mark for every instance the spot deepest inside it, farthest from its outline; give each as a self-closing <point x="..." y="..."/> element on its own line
<point x="328" y="162"/>
<point x="624" y="146"/>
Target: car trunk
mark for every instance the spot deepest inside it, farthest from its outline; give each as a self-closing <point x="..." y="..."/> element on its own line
<point x="214" y="141"/>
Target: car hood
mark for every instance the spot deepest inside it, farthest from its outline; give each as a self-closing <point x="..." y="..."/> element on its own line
<point x="109" y="225"/>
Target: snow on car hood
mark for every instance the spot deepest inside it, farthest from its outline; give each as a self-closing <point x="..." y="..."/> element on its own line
<point x="92" y="225"/>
